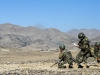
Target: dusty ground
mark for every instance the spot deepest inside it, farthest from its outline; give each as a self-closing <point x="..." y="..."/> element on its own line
<point x="15" y="56"/>
<point x="24" y="62"/>
<point x="19" y="55"/>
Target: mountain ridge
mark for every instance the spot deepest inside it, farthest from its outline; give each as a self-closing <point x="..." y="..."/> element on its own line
<point x="31" y="37"/>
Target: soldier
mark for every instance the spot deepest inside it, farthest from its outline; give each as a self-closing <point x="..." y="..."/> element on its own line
<point x="94" y="52"/>
<point x="65" y="57"/>
<point x="98" y="51"/>
<point x="84" y="46"/>
<point x="94" y="49"/>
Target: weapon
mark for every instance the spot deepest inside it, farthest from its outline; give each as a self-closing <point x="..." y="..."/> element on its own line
<point x="55" y="63"/>
<point x="73" y="59"/>
<point x="58" y="62"/>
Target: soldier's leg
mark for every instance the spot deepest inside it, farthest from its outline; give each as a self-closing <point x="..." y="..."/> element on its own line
<point x="79" y="59"/>
<point x="70" y="62"/>
<point x="61" y="65"/>
<point x="98" y="58"/>
<point x="85" y="59"/>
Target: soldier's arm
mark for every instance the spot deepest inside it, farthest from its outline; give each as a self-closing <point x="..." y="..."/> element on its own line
<point x="79" y="44"/>
<point x="60" y="55"/>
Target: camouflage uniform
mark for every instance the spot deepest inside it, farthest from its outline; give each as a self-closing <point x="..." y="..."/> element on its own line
<point x="84" y="46"/>
<point x="98" y="56"/>
<point x="93" y="51"/>
<point x="65" y="57"/>
<point x="98" y="51"/>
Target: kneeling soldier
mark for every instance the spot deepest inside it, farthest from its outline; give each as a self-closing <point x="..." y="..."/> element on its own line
<point x="65" y="56"/>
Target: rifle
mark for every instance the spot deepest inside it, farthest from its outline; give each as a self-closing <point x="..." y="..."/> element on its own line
<point x="59" y="61"/>
<point x="73" y="59"/>
<point x="55" y="63"/>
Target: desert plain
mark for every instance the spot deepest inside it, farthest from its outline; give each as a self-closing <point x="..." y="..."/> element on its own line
<point x="29" y="62"/>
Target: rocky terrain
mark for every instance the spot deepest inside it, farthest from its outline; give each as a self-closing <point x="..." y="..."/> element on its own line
<point x="22" y="50"/>
<point x="14" y="36"/>
<point x="38" y="63"/>
<point x="90" y="33"/>
<point x="33" y="38"/>
<point x="30" y="69"/>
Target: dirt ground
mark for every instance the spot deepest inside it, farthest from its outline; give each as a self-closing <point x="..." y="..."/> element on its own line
<point x="19" y="55"/>
<point x="11" y="60"/>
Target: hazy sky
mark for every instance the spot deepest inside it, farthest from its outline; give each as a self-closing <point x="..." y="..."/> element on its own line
<point x="60" y="14"/>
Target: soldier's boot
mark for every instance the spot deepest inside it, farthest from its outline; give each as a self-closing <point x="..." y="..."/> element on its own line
<point x="80" y="66"/>
<point x="86" y="66"/>
<point x="61" y="66"/>
<point x="70" y="66"/>
<point x="98" y="63"/>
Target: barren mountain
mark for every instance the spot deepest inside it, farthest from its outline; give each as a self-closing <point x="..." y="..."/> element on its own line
<point x="14" y="36"/>
<point x="92" y="33"/>
<point x="32" y="38"/>
<point x="97" y="39"/>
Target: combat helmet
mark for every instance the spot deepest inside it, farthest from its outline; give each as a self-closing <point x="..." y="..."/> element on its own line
<point x="81" y="35"/>
<point x="62" y="46"/>
<point x="97" y="43"/>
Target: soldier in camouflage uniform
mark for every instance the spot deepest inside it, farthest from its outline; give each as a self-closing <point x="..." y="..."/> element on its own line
<point x="94" y="50"/>
<point x="98" y="51"/>
<point x="65" y="57"/>
<point x="84" y="46"/>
